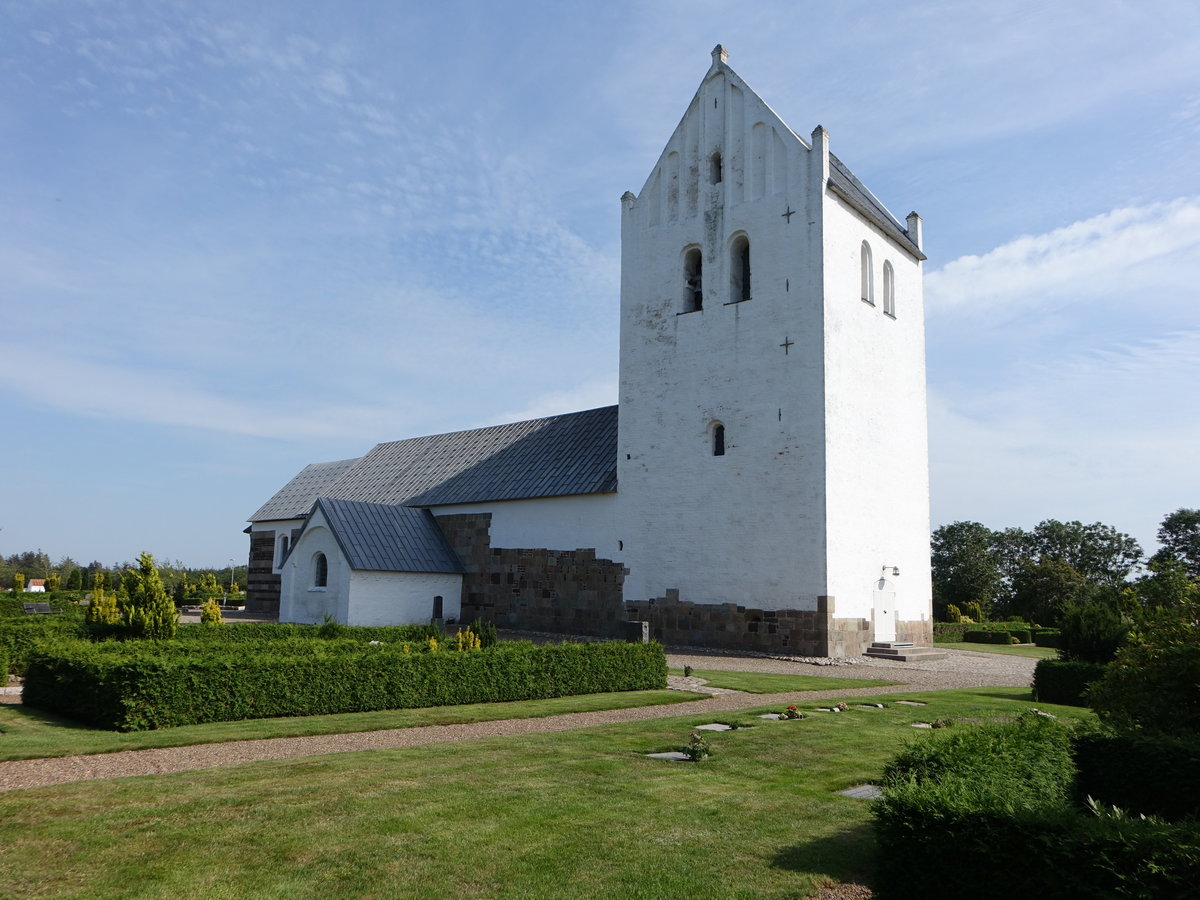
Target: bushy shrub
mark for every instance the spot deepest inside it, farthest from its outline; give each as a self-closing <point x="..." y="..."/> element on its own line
<point x="974" y="610"/>
<point x="486" y="632"/>
<point x="986" y="813"/>
<point x="1065" y="681"/>
<point x="1144" y="773"/>
<point x="1091" y="632"/>
<point x="1154" y="683"/>
<point x="210" y="612"/>
<point x="953" y="613"/>
<point x="131" y="686"/>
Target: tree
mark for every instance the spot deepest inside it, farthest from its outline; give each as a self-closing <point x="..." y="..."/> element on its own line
<point x="75" y="580"/>
<point x="1179" y="535"/>
<point x="18" y="582"/>
<point x="53" y="581"/>
<point x="146" y="610"/>
<point x="1098" y="552"/>
<point x="1042" y="590"/>
<point x="966" y="567"/>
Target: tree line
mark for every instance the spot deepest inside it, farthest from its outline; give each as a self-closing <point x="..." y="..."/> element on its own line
<point x="182" y="583"/>
<point x="1037" y="575"/>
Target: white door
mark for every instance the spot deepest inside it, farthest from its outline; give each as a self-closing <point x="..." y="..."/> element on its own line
<point x="885" y="611"/>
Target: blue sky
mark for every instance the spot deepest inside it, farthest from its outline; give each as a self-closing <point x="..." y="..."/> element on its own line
<point x="238" y="238"/>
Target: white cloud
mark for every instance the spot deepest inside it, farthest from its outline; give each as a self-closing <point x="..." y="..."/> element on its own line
<point x="1078" y="262"/>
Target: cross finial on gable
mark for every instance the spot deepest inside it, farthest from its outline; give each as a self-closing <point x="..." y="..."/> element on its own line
<point x="719" y="55"/>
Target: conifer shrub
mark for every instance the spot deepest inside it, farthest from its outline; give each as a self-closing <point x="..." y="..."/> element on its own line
<point x="953" y="613"/>
<point x="1091" y="632"/>
<point x="135" y="685"/>
<point x="210" y="613"/>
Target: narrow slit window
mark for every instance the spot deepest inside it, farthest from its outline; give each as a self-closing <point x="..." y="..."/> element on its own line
<point x="739" y="270"/>
<point x="320" y="571"/>
<point x="715" y="173"/>
<point x="283" y="549"/>
<point x="889" y="289"/>
<point x="693" y="282"/>
<point x="718" y="440"/>
<point x="868" y="274"/>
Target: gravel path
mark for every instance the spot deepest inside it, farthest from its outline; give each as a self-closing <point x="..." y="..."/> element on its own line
<point x="960" y="669"/>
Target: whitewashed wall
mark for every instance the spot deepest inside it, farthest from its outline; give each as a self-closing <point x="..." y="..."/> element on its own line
<point x="745" y="527"/>
<point x="299" y="600"/>
<point x="402" y="598"/>
<point x="554" y="523"/>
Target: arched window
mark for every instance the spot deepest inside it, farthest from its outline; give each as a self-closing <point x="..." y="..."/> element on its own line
<point x="889" y="289"/>
<point x="868" y="273"/>
<point x="320" y="570"/>
<point x="283" y="549"/>
<point x="714" y="168"/>
<point x="718" y="442"/>
<point x="693" y="283"/>
<point x="739" y="269"/>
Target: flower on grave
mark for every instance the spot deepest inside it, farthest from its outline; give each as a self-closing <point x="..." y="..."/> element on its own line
<point x="841" y="706"/>
<point x="697" y="748"/>
<point x="791" y="713"/>
<point x="687" y="671"/>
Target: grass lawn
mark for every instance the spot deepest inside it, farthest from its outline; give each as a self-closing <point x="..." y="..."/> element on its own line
<point x="1008" y="649"/>
<point x="760" y="683"/>
<point x="574" y="814"/>
<point x="27" y="733"/>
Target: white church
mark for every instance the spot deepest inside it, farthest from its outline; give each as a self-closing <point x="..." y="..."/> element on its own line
<point x="763" y="483"/>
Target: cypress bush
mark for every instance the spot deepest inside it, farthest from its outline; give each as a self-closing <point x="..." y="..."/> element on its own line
<point x="130" y="686"/>
<point x="1091" y="632"/>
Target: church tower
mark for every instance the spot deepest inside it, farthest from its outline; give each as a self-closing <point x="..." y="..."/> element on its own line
<point x="773" y="483"/>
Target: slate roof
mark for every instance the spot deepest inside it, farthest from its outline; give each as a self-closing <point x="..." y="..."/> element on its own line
<point x="574" y="453"/>
<point x="846" y="183"/>
<point x="295" y="499"/>
<point x="380" y="538"/>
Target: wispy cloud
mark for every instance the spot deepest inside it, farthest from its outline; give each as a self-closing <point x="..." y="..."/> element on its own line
<point x="1079" y="262"/>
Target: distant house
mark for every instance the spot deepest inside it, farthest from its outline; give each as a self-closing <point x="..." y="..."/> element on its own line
<point x="36" y="586"/>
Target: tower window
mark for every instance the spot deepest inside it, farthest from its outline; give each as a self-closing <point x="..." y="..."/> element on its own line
<point x="693" y="284"/>
<point x="320" y="571"/>
<point x="718" y="434"/>
<point x="889" y="289"/>
<point x="868" y="273"/>
<point x="714" y="168"/>
<point x="739" y="269"/>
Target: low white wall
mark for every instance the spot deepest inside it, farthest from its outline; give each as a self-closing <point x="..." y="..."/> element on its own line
<point x="553" y="523"/>
<point x="402" y="598"/>
<point x="299" y="600"/>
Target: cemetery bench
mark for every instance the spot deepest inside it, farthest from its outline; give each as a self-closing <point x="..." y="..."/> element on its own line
<point x="41" y="608"/>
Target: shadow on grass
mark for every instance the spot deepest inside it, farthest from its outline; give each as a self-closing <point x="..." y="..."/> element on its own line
<point x="848" y="856"/>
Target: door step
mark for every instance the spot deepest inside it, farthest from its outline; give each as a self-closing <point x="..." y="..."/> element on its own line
<point x="902" y="651"/>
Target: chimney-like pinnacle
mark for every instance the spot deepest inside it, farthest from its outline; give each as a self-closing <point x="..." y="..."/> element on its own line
<point x="720" y="55"/>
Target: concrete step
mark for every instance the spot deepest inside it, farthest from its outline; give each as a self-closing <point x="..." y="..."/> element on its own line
<point x="903" y="652"/>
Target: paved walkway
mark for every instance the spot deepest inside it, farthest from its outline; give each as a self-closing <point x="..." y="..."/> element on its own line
<point x="958" y="670"/>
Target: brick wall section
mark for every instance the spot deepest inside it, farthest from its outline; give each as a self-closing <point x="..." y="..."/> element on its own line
<point x="564" y="591"/>
<point x="262" y="587"/>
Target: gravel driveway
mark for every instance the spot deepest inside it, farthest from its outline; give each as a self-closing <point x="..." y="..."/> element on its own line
<point x="961" y="669"/>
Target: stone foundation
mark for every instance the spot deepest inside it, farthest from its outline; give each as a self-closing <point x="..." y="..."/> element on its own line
<point x="794" y="632"/>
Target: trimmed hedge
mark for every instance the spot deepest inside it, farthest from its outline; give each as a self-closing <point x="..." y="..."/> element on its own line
<point x="1143" y="773"/>
<point x="949" y="632"/>
<point x="270" y="632"/>
<point x="987" y="637"/>
<point x="1046" y="637"/>
<point x="19" y="637"/>
<point x="1064" y="681"/>
<point x="145" y="685"/>
<point x="4" y="665"/>
<point x="989" y="816"/>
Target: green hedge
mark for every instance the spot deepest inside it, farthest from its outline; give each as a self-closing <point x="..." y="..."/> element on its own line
<point x="1046" y="637"/>
<point x="18" y="637"/>
<point x="949" y="632"/>
<point x="1144" y="773"/>
<point x="3" y="666"/>
<point x="270" y="632"/>
<point x="135" y="686"/>
<point x="1064" y="681"/>
<point x="987" y="637"/>
<point x="990" y="816"/>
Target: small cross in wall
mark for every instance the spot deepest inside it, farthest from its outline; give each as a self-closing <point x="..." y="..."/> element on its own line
<point x="786" y="344"/>
<point x="788" y="215"/>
